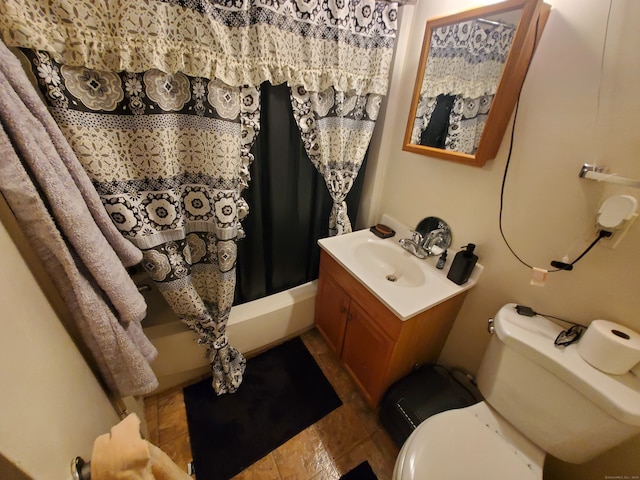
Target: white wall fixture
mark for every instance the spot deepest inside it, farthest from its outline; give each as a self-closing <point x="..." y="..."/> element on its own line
<point x="616" y="211"/>
<point x="616" y="215"/>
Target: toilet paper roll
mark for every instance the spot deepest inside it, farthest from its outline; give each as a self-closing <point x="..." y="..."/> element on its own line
<point x="610" y="347"/>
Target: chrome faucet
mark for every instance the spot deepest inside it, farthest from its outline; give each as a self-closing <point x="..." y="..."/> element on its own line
<point x="414" y="245"/>
<point x="435" y="242"/>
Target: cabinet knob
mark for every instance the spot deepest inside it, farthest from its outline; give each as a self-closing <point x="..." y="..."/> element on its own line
<point x="343" y="309"/>
<point x="348" y="317"/>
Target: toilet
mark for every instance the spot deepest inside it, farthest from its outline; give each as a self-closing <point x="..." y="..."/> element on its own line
<point x="538" y="399"/>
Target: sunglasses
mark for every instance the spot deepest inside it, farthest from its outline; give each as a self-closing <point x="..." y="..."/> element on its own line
<point x="567" y="337"/>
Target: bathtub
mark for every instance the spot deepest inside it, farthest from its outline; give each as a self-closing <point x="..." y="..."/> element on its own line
<point x="252" y="327"/>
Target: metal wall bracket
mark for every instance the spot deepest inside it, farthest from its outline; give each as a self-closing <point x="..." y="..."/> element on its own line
<point x="593" y="172"/>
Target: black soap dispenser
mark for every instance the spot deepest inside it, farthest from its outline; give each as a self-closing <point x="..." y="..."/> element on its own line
<point x="463" y="264"/>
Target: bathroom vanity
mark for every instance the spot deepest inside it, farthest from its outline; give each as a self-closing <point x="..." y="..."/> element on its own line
<point x="367" y="323"/>
<point x="375" y="346"/>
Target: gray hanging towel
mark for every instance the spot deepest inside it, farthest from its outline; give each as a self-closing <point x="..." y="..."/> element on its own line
<point x="62" y="215"/>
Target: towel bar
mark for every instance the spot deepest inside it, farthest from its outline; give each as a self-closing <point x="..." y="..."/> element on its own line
<point x="599" y="173"/>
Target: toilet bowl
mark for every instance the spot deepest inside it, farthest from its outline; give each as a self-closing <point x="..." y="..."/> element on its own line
<point x="538" y="399"/>
<point x="469" y="443"/>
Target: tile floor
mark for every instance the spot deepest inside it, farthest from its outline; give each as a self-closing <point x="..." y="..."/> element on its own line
<point x="324" y="451"/>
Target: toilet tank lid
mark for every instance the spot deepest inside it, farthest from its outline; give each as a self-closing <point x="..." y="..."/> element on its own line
<point x="533" y="337"/>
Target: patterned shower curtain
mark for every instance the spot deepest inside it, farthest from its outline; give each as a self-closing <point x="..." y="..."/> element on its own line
<point x="159" y="100"/>
<point x="165" y="153"/>
<point x="465" y="61"/>
<point x="336" y="124"/>
<point x="336" y="129"/>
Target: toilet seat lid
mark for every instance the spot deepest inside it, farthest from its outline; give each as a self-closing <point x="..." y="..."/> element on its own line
<point x="456" y="445"/>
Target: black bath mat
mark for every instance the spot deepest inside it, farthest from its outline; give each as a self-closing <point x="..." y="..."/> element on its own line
<point x="361" y="472"/>
<point x="282" y="393"/>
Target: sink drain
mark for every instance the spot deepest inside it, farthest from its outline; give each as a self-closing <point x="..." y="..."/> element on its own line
<point x="392" y="278"/>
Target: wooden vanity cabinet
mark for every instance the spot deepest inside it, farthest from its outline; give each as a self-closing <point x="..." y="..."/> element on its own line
<point x="374" y="345"/>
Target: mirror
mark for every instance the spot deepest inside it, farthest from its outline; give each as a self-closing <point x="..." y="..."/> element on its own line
<point x="436" y="234"/>
<point x="471" y="70"/>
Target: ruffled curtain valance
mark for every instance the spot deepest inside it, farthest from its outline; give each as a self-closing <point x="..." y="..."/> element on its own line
<point x="313" y="43"/>
<point x="461" y="77"/>
<point x="466" y="59"/>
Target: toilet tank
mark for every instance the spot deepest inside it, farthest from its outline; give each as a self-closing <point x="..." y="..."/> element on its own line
<point x="550" y="394"/>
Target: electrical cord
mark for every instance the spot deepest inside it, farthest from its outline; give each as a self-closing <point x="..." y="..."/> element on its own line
<point x="565" y="337"/>
<point x="504" y="181"/>
<point x="530" y="312"/>
<point x="559" y="266"/>
<point x="562" y="320"/>
<point x="569" y="266"/>
<point x="506" y="167"/>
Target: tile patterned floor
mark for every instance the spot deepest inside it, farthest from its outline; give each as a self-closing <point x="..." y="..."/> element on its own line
<point x="324" y="451"/>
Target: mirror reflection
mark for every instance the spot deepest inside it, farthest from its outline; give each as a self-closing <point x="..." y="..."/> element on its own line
<point x="471" y="69"/>
<point x="465" y="62"/>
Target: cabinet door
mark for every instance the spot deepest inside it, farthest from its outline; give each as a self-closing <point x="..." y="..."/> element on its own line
<point x="366" y="352"/>
<point x="332" y="306"/>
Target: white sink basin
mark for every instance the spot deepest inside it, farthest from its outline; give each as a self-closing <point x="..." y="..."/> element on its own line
<point x="406" y="284"/>
<point x="385" y="261"/>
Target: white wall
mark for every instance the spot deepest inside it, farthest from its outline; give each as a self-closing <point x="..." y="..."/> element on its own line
<point x="52" y="407"/>
<point x="549" y="210"/>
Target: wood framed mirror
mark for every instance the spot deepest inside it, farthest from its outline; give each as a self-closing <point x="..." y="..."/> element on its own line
<point x="472" y="67"/>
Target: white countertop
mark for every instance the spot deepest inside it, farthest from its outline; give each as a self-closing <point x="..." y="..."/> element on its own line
<point x="370" y="259"/>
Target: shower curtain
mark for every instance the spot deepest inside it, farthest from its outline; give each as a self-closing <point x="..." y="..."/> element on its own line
<point x="171" y="180"/>
<point x="290" y="204"/>
<point x="160" y="101"/>
<point x="336" y="128"/>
